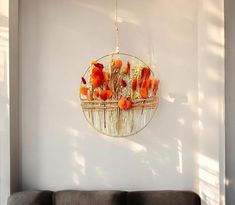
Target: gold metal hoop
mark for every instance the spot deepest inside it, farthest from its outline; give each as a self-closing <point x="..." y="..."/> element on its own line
<point x="103" y="104"/>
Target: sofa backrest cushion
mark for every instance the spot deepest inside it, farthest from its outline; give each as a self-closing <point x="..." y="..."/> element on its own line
<point x="163" y="198"/>
<point x="89" y="198"/>
<point x="31" y="198"/>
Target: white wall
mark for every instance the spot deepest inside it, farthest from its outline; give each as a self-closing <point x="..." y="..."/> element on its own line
<point x="14" y="93"/>
<point x="182" y="148"/>
<point x="4" y="103"/>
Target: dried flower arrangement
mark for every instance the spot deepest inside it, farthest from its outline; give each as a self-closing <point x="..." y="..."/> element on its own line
<point x="119" y="94"/>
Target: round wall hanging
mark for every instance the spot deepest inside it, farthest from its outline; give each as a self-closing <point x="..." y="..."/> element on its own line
<point x="119" y="93"/>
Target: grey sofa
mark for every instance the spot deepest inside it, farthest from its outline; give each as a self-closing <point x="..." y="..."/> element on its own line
<point x="71" y="197"/>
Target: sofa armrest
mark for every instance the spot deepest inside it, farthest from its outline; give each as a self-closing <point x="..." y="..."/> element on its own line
<point x="31" y="198"/>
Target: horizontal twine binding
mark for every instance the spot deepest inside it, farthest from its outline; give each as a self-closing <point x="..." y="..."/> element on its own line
<point x="137" y="104"/>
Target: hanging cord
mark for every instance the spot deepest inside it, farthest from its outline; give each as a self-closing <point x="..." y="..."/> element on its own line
<point x="116" y="27"/>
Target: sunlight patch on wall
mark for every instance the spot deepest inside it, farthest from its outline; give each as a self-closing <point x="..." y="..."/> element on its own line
<point x="180" y="155"/>
<point x="208" y="174"/>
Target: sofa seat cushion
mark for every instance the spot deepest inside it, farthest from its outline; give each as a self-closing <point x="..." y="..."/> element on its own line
<point x="163" y="198"/>
<point x="89" y="198"/>
<point x="31" y="198"/>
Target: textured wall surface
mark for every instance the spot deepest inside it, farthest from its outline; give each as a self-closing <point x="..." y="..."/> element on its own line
<point x="183" y="146"/>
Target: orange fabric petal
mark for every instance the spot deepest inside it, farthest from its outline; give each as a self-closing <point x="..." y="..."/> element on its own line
<point x="96" y="82"/>
<point x="103" y="95"/>
<point x="106" y="94"/>
<point x="127" y="69"/>
<point x="124" y="104"/>
<point x="118" y="63"/>
<point x="154" y="86"/>
<point x="99" y="65"/>
<point x="144" y="83"/>
<point x="97" y="72"/>
<point x="144" y="92"/>
<point x="90" y="95"/>
<point x="145" y="72"/>
<point x="109" y="93"/>
<point x="97" y="93"/>
<point x="83" y="90"/>
<point x="128" y="104"/>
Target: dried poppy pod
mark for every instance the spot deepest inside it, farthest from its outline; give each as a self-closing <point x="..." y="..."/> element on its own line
<point x="119" y="94"/>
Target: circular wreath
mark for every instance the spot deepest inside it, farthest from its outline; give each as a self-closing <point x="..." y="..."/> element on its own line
<point x="119" y="94"/>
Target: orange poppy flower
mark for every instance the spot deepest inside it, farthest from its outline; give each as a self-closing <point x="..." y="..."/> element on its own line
<point x="145" y="72"/>
<point x="96" y="82"/>
<point x="124" y="104"/>
<point x="118" y="63"/>
<point x="97" y="72"/>
<point x="83" y="90"/>
<point x="144" y="92"/>
<point x="90" y="95"/>
<point x="106" y="94"/>
<point x="134" y="84"/>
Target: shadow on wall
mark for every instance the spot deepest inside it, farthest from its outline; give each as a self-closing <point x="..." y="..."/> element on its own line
<point x="175" y="151"/>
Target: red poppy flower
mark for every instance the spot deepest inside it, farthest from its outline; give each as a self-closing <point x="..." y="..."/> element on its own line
<point x="106" y="94"/>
